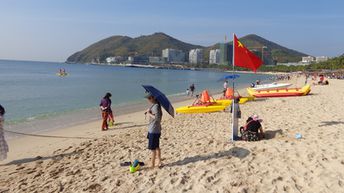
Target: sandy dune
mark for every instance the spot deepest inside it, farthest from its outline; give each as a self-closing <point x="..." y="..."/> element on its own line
<point x="199" y="156"/>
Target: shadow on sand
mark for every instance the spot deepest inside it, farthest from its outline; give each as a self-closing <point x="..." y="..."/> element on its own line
<point x="33" y="159"/>
<point x="47" y="136"/>
<point x="233" y="152"/>
<point x="330" y="123"/>
<point x="124" y="125"/>
<point x="272" y="134"/>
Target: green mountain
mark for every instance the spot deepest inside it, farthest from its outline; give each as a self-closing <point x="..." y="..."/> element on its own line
<point x="273" y="50"/>
<point x="152" y="45"/>
<point x="270" y="51"/>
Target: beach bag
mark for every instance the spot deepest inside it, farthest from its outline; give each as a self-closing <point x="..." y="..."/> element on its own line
<point x="249" y="136"/>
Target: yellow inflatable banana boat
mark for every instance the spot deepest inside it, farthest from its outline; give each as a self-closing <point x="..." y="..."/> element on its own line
<point x="282" y="92"/>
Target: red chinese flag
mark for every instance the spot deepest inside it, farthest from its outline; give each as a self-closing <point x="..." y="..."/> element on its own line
<point x="244" y="58"/>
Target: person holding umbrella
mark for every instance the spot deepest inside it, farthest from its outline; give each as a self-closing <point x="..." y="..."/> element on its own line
<point x="154" y="129"/>
<point x="156" y="99"/>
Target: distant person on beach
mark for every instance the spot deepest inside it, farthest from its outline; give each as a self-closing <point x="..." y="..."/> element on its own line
<point x="257" y="82"/>
<point x="253" y="130"/>
<point x="154" y="130"/>
<point x="225" y="86"/>
<point x="187" y="92"/>
<point x="3" y="143"/>
<point x="105" y="107"/>
<point x="192" y="89"/>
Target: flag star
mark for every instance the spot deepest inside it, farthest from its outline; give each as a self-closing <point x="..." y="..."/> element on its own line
<point x="240" y="44"/>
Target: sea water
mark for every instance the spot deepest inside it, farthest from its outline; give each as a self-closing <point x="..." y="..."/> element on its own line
<point x="31" y="90"/>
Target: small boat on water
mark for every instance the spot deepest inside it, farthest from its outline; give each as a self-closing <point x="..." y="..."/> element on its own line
<point x="271" y="86"/>
<point x="62" y="74"/>
<point x="280" y="92"/>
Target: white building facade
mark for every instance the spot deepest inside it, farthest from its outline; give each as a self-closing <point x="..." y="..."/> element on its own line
<point x="173" y="55"/>
<point x="214" y="56"/>
<point x="308" y="59"/>
<point x="196" y="56"/>
<point x="321" y="59"/>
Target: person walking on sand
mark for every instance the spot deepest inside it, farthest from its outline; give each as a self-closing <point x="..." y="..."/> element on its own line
<point x="154" y="130"/>
<point x="3" y="143"/>
<point x="105" y="107"/>
<point x="192" y="89"/>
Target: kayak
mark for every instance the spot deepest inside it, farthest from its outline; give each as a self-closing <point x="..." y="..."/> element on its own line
<point x="271" y="86"/>
<point x="283" y="92"/>
<point x="201" y="109"/>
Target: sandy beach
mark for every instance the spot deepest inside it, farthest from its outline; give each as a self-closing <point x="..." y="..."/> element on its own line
<point x="197" y="153"/>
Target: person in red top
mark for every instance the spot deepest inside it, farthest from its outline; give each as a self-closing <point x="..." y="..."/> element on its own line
<point x="105" y="107"/>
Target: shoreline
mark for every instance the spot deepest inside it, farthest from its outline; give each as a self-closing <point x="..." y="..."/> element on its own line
<point x="195" y="149"/>
<point x="81" y="116"/>
<point x="68" y="136"/>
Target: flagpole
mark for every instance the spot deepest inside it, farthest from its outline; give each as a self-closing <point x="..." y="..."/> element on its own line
<point x="233" y="62"/>
<point x="234" y="106"/>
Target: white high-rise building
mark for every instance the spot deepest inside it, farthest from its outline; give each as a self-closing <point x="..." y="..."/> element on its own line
<point x="196" y="56"/>
<point x="321" y="58"/>
<point x="214" y="56"/>
<point x="308" y="59"/>
<point x="173" y="55"/>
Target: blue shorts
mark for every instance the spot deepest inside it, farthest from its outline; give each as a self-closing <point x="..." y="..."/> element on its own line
<point x="153" y="140"/>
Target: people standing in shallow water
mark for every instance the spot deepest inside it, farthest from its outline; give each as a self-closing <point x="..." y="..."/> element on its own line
<point x="105" y="107"/>
<point x="3" y="143"/>
<point x="154" y="130"/>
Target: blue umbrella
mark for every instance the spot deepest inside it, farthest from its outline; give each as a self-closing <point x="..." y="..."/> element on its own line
<point x="161" y="98"/>
<point x="232" y="76"/>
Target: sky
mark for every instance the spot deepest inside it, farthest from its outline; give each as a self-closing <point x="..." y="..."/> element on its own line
<point x="51" y="30"/>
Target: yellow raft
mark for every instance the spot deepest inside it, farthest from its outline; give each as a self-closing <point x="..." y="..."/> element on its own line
<point x="227" y="102"/>
<point x="282" y="92"/>
<point x="62" y="74"/>
<point x="201" y="109"/>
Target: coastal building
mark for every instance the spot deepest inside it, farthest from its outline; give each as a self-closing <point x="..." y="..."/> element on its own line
<point x="226" y="54"/>
<point x="156" y="60"/>
<point x="214" y="56"/>
<point x="308" y="59"/>
<point x="130" y="59"/>
<point x="173" y="55"/>
<point x="115" y="60"/>
<point x="196" y="56"/>
<point x="142" y="59"/>
<point x="291" y="63"/>
<point x="321" y="59"/>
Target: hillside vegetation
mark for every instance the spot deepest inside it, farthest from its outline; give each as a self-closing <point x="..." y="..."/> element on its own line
<point x="152" y="45"/>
